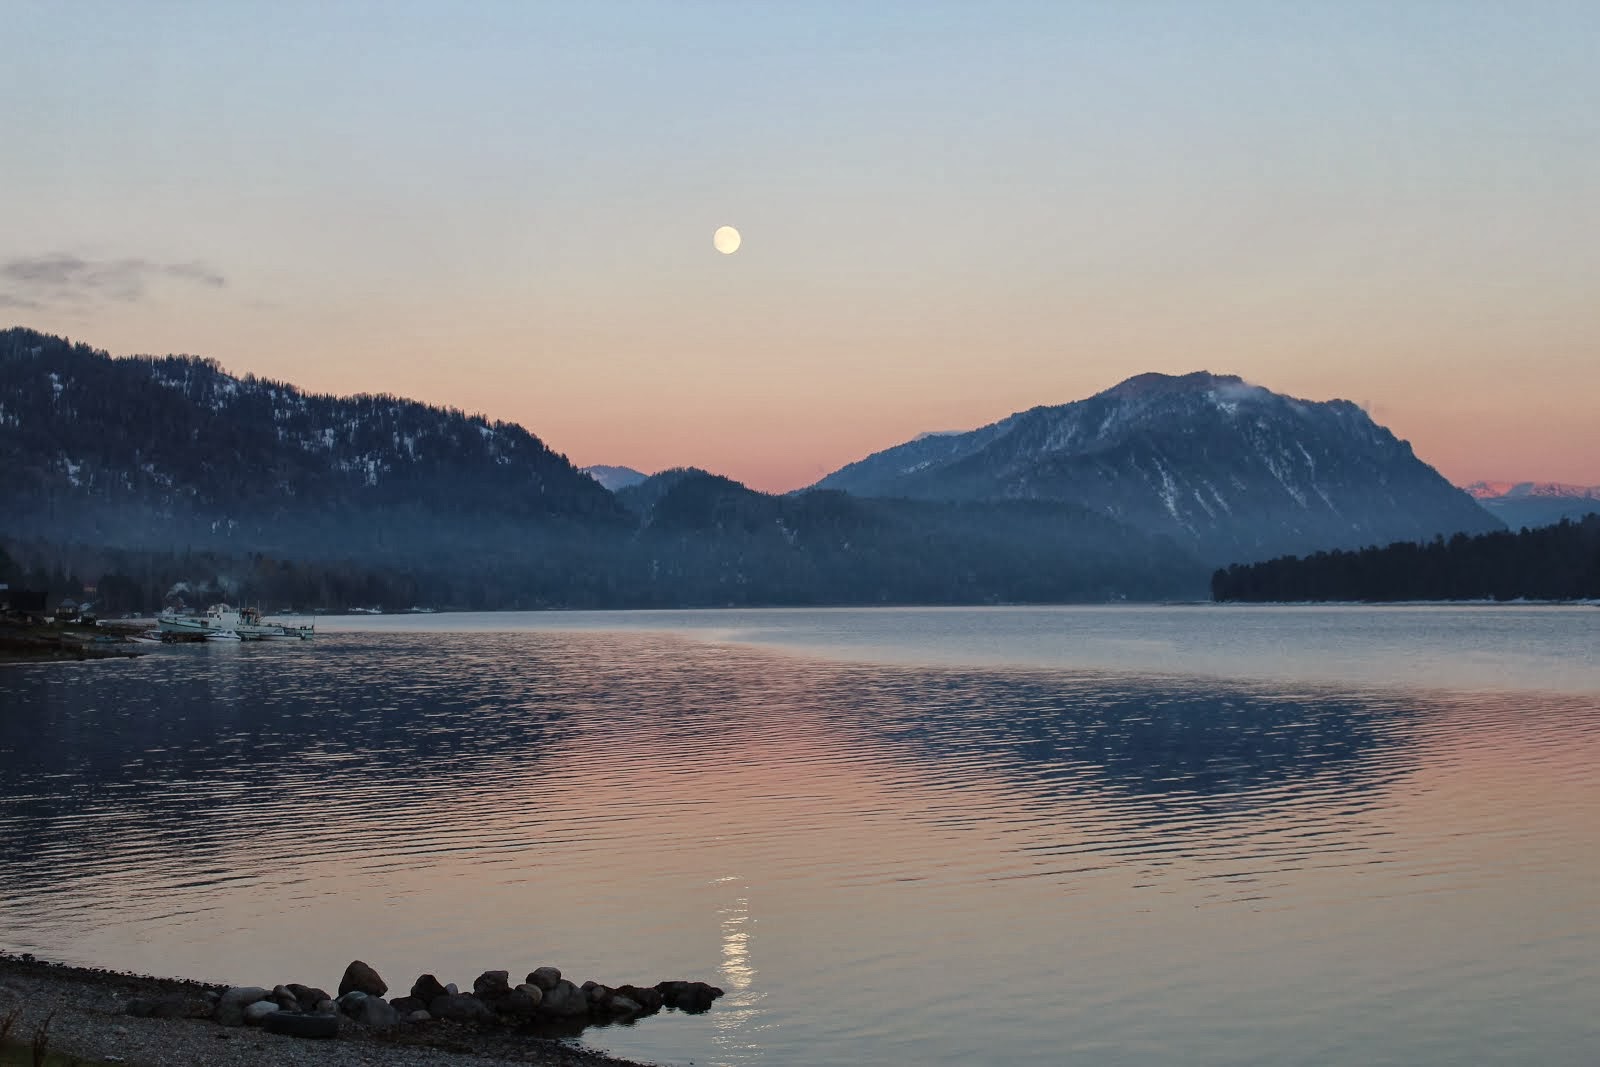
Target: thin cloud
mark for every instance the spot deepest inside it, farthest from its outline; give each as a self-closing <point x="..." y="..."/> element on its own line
<point x="35" y="281"/>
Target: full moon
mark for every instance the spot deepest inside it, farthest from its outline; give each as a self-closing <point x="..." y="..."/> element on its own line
<point x="726" y="240"/>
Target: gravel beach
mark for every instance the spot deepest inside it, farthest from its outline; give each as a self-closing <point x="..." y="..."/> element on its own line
<point x="87" y="1016"/>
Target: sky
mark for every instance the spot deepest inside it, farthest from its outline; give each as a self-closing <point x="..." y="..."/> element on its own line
<point x="950" y="212"/>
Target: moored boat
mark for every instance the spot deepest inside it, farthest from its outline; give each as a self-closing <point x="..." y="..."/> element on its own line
<point x="246" y="624"/>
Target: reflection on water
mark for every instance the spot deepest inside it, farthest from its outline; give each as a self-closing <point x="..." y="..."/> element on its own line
<point x="878" y="863"/>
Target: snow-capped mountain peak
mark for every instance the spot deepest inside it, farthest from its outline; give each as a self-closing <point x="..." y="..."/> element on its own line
<point x="1225" y="467"/>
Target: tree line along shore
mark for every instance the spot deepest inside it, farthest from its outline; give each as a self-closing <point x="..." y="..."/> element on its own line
<point x="1559" y="562"/>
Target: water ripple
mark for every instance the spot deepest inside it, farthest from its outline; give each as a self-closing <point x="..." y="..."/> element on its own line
<point x="937" y="863"/>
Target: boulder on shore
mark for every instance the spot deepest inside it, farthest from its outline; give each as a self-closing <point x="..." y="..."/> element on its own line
<point x="308" y="996"/>
<point x="490" y="986"/>
<point x="426" y="987"/>
<point x="377" y="1014"/>
<point x="231" y="1006"/>
<point x="544" y="977"/>
<point x="363" y="979"/>
<point x="460" y="1008"/>
<point x="521" y="1003"/>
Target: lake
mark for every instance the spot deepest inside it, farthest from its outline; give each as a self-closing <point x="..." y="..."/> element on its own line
<point x="1215" y="835"/>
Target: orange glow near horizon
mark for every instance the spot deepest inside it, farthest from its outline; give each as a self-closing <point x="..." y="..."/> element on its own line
<point x="1392" y="205"/>
<point x="786" y="423"/>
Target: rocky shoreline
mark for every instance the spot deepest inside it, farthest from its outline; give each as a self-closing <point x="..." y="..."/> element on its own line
<point x="47" y="644"/>
<point x="103" y="1017"/>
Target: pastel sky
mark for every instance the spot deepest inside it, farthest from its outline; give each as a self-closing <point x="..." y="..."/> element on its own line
<point x="950" y="212"/>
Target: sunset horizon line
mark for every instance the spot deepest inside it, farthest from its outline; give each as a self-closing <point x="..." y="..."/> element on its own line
<point x="651" y="468"/>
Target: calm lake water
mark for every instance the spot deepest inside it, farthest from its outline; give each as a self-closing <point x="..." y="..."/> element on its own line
<point x="1125" y="835"/>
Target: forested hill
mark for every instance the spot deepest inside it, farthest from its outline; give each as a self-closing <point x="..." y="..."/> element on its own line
<point x="157" y="451"/>
<point x="1560" y="562"/>
<point x="693" y="540"/>
<point x="708" y="532"/>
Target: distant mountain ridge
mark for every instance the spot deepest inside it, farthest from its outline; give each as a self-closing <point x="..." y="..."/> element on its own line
<point x="1227" y="469"/>
<point x="1535" y="504"/>
<point x="614" y="478"/>
<point x="1519" y="490"/>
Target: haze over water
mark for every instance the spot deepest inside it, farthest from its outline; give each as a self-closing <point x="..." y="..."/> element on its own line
<point x="1334" y="835"/>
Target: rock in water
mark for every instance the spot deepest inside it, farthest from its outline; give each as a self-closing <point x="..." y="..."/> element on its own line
<point x="692" y="997"/>
<point x="565" y="999"/>
<point x="314" y="1026"/>
<point x="545" y="977"/>
<point x="426" y="987"/>
<point x="363" y="979"/>
<point x="648" y="998"/>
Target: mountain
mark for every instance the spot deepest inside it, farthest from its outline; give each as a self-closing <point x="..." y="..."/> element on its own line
<point x="1228" y="470"/>
<point x="614" y="478"/>
<point x="731" y="544"/>
<point x="641" y="498"/>
<point x="175" y="450"/>
<point x="148" y="477"/>
<point x="1535" y="504"/>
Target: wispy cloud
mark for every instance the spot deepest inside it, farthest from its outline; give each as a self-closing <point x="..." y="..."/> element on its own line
<point x="36" y="281"/>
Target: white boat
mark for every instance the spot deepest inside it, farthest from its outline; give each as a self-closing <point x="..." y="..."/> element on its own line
<point x="223" y="635"/>
<point x="246" y="624"/>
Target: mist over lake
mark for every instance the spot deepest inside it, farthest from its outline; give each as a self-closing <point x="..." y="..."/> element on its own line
<point x="1125" y="835"/>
